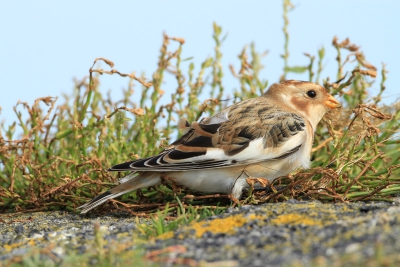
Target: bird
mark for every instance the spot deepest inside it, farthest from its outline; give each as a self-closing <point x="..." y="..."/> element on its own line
<point x="267" y="136"/>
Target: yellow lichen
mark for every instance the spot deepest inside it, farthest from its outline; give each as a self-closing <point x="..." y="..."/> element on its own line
<point x="10" y="247"/>
<point x="295" y="219"/>
<point x="256" y="217"/>
<point x="166" y="235"/>
<point x="220" y="226"/>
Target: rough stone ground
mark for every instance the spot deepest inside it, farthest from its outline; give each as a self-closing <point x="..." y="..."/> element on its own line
<point x="290" y="233"/>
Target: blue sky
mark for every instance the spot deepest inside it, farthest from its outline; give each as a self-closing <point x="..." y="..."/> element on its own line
<point x="44" y="44"/>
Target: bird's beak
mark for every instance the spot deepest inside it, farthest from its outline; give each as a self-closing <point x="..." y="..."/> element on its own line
<point x="331" y="102"/>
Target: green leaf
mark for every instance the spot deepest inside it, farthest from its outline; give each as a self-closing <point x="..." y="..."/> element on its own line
<point x="207" y="63"/>
<point x="296" y="69"/>
<point x="191" y="66"/>
<point x="321" y="52"/>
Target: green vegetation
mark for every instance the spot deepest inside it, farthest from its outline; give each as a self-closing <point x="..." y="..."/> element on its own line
<point x="61" y="160"/>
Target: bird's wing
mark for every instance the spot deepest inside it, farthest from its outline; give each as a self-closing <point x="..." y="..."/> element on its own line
<point x="248" y="132"/>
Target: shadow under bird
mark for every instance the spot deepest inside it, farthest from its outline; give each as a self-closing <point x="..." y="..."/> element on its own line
<point x="267" y="136"/>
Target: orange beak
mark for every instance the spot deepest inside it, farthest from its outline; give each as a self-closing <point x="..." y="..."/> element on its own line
<point x="331" y="102"/>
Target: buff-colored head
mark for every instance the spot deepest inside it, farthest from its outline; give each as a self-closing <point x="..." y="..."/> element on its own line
<point x="310" y="99"/>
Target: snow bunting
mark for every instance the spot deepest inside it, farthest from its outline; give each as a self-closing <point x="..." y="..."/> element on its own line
<point x="267" y="136"/>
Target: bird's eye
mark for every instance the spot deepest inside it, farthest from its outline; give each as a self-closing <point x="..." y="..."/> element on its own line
<point x="311" y="93"/>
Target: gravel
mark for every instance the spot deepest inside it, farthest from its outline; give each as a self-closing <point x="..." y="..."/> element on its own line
<point x="276" y="234"/>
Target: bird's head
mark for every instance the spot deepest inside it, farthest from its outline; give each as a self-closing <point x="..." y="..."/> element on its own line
<point x="308" y="98"/>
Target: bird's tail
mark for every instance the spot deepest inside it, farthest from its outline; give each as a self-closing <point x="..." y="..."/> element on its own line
<point x="144" y="179"/>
